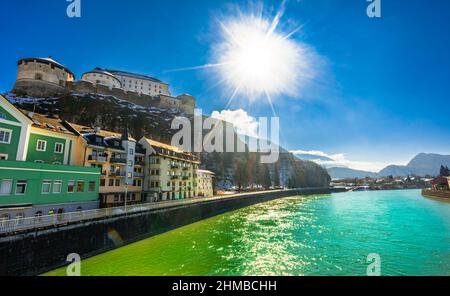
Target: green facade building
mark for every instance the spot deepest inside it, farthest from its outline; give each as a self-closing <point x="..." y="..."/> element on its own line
<point x="38" y="172"/>
<point x="30" y="189"/>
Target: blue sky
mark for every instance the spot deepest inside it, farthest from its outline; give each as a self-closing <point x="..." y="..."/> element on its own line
<point x="381" y="95"/>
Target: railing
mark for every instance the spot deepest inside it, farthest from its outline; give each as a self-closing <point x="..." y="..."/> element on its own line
<point x="138" y="175"/>
<point x="10" y="227"/>
<point x="118" y="160"/>
<point x="97" y="158"/>
<point x="116" y="174"/>
<point x="41" y="222"/>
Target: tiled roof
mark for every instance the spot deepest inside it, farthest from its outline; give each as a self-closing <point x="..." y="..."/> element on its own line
<point x="133" y="75"/>
<point x="156" y="144"/>
<point x="82" y="129"/>
<point x="47" y="122"/>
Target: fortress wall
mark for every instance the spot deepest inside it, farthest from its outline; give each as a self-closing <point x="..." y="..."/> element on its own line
<point x="184" y="103"/>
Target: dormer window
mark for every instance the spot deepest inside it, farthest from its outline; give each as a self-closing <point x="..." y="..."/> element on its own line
<point x="98" y="140"/>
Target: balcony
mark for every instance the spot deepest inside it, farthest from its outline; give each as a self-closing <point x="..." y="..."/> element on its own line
<point x="185" y="178"/>
<point x="139" y="175"/>
<point x="174" y="177"/>
<point x="174" y="166"/>
<point x="139" y="162"/>
<point x="98" y="158"/>
<point x="116" y="174"/>
<point x="186" y="168"/>
<point x="118" y="161"/>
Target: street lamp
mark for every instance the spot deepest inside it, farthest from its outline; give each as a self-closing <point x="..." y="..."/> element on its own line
<point x="126" y="196"/>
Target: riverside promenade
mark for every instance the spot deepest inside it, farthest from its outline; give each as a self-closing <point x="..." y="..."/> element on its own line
<point x="36" y="245"/>
<point x="33" y="224"/>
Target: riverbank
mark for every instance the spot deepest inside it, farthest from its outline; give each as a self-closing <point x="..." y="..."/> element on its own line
<point x="315" y="236"/>
<point x="445" y="195"/>
<point x="43" y="250"/>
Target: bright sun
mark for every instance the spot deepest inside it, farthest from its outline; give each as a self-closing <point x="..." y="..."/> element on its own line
<point x="256" y="60"/>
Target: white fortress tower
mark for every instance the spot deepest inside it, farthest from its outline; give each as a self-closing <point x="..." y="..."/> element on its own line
<point x="100" y="76"/>
<point x="141" y="84"/>
<point x="41" y="77"/>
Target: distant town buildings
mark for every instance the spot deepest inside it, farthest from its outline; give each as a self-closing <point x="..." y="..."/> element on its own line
<point x="44" y="77"/>
<point x="50" y="166"/>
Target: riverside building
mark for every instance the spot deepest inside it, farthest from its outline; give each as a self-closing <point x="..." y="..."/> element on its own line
<point x="120" y="160"/>
<point x="205" y="183"/>
<point x="169" y="172"/>
<point x="37" y="172"/>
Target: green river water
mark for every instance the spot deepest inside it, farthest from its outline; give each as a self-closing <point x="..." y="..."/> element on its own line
<point x="311" y="235"/>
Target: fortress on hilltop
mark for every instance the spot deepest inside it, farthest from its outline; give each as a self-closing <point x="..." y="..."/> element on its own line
<point x="45" y="77"/>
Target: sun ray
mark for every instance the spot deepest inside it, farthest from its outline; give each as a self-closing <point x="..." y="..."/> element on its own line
<point x="269" y="99"/>
<point x="206" y="66"/>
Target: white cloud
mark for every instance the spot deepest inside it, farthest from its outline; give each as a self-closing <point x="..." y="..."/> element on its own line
<point x="242" y="121"/>
<point x="340" y="160"/>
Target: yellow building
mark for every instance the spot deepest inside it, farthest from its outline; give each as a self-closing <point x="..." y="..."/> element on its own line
<point x="121" y="161"/>
<point x="169" y="172"/>
<point x="205" y="184"/>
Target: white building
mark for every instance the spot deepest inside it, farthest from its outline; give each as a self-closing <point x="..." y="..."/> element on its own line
<point x="141" y="84"/>
<point x="205" y="184"/>
<point x="102" y="77"/>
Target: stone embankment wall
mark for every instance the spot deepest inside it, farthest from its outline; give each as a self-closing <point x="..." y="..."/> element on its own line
<point x="436" y="194"/>
<point x="44" y="250"/>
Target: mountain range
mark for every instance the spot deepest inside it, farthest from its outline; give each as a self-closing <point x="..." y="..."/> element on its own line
<point x="424" y="164"/>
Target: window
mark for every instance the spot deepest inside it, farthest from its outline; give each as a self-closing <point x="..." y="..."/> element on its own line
<point x="131" y="151"/>
<point x="6" y="187"/>
<point x="46" y="186"/>
<point x="117" y="183"/>
<point x="102" y="182"/>
<point x="59" y="148"/>
<point x="5" y="136"/>
<point x="38" y="161"/>
<point x="3" y="156"/>
<point x="80" y="186"/>
<point x="71" y="186"/>
<point x="57" y="187"/>
<point x="91" y="187"/>
<point x="111" y="182"/>
<point x="41" y="145"/>
<point x="57" y="163"/>
<point x="130" y="163"/>
<point x="21" y="187"/>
